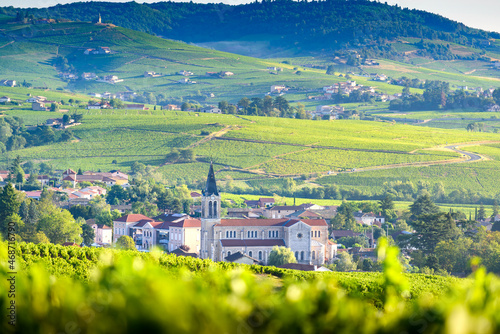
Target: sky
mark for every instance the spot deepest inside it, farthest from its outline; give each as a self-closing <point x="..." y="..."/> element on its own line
<point x="482" y="14"/>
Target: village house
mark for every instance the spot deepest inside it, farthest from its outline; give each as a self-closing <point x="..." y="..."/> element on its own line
<point x="211" y="110"/>
<point x="108" y="178"/>
<point x="281" y="211"/>
<point x="124" y="224"/>
<point x="262" y="202"/>
<point x="151" y="74"/>
<point x="369" y="218"/>
<point x="38" y="106"/>
<point x="69" y="76"/>
<point x="89" y="76"/>
<point x="241" y="258"/>
<point x="103" y="234"/>
<point x="135" y="106"/>
<point x="278" y="89"/>
<point x="99" y="50"/>
<point x="185" y="73"/>
<point x="99" y="105"/>
<point x="493" y="108"/>
<point x="4" y="99"/>
<point x="172" y="107"/>
<point x="36" y="99"/>
<point x="8" y="83"/>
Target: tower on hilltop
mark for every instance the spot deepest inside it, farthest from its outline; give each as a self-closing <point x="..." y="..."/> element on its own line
<point x="210" y="215"/>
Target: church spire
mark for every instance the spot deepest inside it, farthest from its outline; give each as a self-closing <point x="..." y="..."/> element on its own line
<point x="211" y="187"/>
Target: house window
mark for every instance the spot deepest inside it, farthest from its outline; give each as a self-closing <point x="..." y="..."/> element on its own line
<point x="302" y="256"/>
<point x="319" y="234"/>
<point x="250" y="253"/>
<point x="314" y="255"/>
<point x="260" y="255"/>
<point x="312" y="234"/>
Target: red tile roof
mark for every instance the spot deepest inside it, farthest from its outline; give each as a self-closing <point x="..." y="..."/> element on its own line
<point x="134" y="217"/>
<point x="252" y="242"/>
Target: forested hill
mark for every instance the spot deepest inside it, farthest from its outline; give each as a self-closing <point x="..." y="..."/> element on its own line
<point x="302" y="26"/>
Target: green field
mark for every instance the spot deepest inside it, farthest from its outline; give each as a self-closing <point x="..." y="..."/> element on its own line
<point x="120" y="291"/>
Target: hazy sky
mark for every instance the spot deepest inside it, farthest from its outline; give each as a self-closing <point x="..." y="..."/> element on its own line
<point x="481" y="14"/>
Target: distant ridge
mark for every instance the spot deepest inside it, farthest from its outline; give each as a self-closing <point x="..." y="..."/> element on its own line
<point x="304" y="27"/>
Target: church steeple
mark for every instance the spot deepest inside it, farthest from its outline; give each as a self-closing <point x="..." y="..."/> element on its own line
<point x="211" y="186"/>
<point x="210" y="215"/>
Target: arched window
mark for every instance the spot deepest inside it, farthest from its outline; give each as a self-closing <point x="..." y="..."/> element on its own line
<point x="250" y="253"/>
<point x="314" y="255"/>
<point x="209" y="209"/>
<point x="227" y="234"/>
<point x="215" y="209"/>
<point x="312" y="234"/>
<point x="302" y="256"/>
<point x="228" y="253"/>
<point x="260" y="255"/>
<point x="319" y="234"/>
<point x="296" y="255"/>
<point x="269" y="234"/>
<point x="248" y="234"/>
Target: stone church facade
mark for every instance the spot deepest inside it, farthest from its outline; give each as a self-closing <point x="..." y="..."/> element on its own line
<point x="307" y="238"/>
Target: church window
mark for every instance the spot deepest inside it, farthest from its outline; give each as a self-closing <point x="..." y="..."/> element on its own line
<point x="302" y="256"/>
<point x="209" y="209"/>
<point x="312" y="234"/>
<point x="250" y="253"/>
<point x="227" y="234"/>
<point x="215" y="209"/>
<point x="269" y="234"/>
<point x="228" y="253"/>
<point x="296" y="255"/>
<point x="319" y="234"/>
<point x="314" y="255"/>
<point x="260" y="255"/>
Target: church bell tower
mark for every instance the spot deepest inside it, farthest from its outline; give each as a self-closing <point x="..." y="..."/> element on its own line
<point x="210" y="216"/>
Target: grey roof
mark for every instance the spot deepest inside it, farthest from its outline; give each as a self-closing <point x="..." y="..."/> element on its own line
<point x="211" y="187"/>
<point x="238" y="255"/>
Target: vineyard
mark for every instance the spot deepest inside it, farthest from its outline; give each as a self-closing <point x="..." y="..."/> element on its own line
<point x="101" y="291"/>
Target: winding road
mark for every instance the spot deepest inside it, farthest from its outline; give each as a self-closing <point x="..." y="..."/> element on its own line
<point x="472" y="156"/>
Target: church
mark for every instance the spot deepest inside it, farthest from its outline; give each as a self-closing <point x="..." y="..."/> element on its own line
<point x="307" y="238"/>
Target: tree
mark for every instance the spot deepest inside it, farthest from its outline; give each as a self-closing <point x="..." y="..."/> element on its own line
<point x="60" y="226"/>
<point x="9" y="205"/>
<point x="54" y="107"/>
<point x="281" y="255"/>
<point x="481" y="213"/>
<point x="125" y="242"/>
<point x="423" y="205"/>
<point x="187" y="155"/>
<point x="495" y="209"/>
<point x="88" y="234"/>
<point x="430" y="229"/>
<point x="116" y="193"/>
<point x="330" y="70"/>
<point x="386" y="204"/>
<point x="345" y="262"/>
